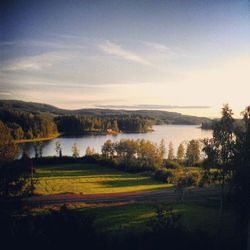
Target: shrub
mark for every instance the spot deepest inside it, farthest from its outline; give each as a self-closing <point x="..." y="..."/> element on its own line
<point x="165" y="175"/>
<point x="188" y="180"/>
<point x="171" y="164"/>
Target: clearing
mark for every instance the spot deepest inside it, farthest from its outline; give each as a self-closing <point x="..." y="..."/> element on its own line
<point x="90" y="179"/>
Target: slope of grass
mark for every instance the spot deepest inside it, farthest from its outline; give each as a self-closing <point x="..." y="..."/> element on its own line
<point x="135" y="217"/>
<point x="90" y="179"/>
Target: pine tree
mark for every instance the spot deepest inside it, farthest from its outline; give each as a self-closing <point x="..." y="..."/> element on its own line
<point x="170" y="151"/>
<point x="75" y="150"/>
<point x="180" y="153"/>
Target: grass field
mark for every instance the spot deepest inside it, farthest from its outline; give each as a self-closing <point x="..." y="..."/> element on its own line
<point x="134" y="217"/>
<point x="120" y="218"/>
<point x="90" y="179"/>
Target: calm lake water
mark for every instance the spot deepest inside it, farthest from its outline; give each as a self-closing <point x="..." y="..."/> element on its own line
<point x="175" y="133"/>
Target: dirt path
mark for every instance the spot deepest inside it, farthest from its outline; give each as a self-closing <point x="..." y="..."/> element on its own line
<point x="156" y="195"/>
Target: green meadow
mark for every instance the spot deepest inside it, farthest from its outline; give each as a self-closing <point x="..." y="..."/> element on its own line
<point x="90" y="179"/>
<point x="136" y="216"/>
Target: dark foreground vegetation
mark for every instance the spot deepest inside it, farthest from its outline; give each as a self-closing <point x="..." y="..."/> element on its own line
<point x="33" y="120"/>
<point x="78" y="229"/>
<point x="226" y="164"/>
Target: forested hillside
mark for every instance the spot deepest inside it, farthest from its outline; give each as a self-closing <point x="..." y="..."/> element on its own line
<point x="156" y="115"/>
<point x="28" y="125"/>
<point x="27" y="120"/>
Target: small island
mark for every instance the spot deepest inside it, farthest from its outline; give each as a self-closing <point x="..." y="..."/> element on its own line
<point x="32" y="122"/>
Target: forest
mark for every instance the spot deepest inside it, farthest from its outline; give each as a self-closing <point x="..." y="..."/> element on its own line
<point x="32" y="125"/>
<point x="27" y="120"/>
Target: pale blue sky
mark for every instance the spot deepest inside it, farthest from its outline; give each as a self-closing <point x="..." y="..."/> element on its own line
<point x="76" y="54"/>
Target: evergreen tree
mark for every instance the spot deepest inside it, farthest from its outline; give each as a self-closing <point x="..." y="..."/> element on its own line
<point x="170" y="151"/>
<point x="180" y="153"/>
<point x="75" y="150"/>
<point x="193" y="152"/>
<point x="162" y="148"/>
<point x="90" y="151"/>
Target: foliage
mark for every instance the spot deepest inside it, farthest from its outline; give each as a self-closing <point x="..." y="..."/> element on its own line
<point x="162" y="148"/>
<point x="166" y="219"/>
<point x="180" y="177"/>
<point x="38" y="148"/>
<point x="164" y="175"/>
<point x="170" y="151"/>
<point x="63" y="229"/>
<point x="123" y="226"/>
<point x="108" y="149"/>
<point x="75" y="150"/>
<point x="193" y="152"/>
<point x="89" y="151"/>
<point x="134" y="155"/>
<point x="15" y="179"/>
<point x="80" y="124"/>
<point x="8" y="149"/>
<point x="28" y="125"/>
<point x="157" y="116"/>
<point x="180" y="153"/>
<point x="171" y="164"/>
<point x="58" y="148"/>
<point x="241" y="172"/>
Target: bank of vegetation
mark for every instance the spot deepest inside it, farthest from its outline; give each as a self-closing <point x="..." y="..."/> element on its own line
<point x="34" y="121"/>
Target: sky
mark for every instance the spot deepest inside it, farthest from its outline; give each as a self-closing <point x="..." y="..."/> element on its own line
<point x="183" y="56"/>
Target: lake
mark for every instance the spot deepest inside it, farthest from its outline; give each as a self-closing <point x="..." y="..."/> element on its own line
<point x="175" y="133"/>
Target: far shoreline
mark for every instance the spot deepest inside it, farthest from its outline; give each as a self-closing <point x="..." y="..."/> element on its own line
<point x="94" y="133"/>
<point x="38" y="139"/>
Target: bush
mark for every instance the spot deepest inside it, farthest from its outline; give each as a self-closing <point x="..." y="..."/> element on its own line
<point x="171" y="164"/>
<point x="188" y="180"/>
<point x="165" y="175"/>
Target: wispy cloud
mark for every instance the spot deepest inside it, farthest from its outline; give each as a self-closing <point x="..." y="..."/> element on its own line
<point x="35" y="63"/>
<point x="4" y="94"/>
<point x="116" y="50"/>
<point x="48" y="44"/>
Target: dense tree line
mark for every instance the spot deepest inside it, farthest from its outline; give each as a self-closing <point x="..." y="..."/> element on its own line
<point x="14" y="175"/>
<point x="27" y="125"/>
<point x="158" y="116"/>
<point x="31" y="125"/>
<point x="134" y="124"/>
<point x="79" y="124"/>
<point x="229" y="151"/>
<point x="135" y="155"/>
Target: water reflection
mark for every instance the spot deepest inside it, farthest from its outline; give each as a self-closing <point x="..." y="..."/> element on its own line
<point x="175" y="133"/>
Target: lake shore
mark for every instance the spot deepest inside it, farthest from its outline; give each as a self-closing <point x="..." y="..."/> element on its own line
<point x="38" y="139"/>
<point x="110" y="132"/>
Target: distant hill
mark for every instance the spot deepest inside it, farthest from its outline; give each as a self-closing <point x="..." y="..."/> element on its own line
<point x="160" y="117"/>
